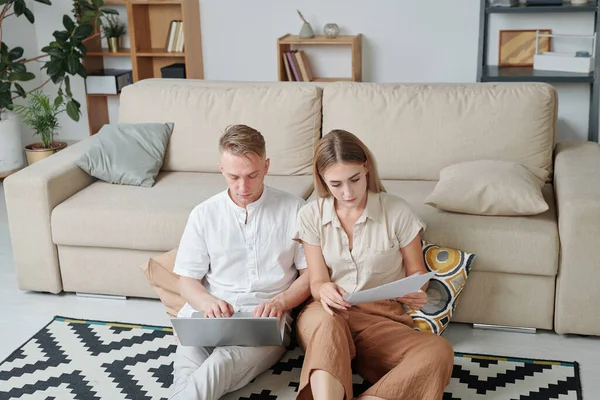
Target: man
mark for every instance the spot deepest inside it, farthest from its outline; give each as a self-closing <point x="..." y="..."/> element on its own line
<point x="236" y="255"/>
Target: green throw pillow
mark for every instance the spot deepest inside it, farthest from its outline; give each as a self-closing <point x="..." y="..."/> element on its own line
<point x="127" y="154"/>
<point x="452" y="269"/>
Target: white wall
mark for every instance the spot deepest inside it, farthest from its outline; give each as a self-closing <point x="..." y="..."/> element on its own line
<point x="404" y="41"/>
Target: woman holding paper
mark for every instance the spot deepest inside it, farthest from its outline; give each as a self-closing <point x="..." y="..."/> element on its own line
<point x="356" y="237"/>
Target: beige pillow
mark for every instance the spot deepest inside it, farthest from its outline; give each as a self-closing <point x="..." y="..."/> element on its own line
<point x="490" y="187"/>
<point x="159" y="271"/>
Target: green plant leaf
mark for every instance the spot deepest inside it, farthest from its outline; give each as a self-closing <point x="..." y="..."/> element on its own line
<point x="81" y="48"/>
<point x="98" y="3"/>
<point x="68" y="87"/>
<point x="53" y="67"/>
<point x="110" y="11"/>
<point x="86" y="4"/>
<point x="56" y="79"/>
<point x="58" y="101"/>
<point x="21" y="76"/>
<point x="73" y="110"/>
<point x="47" y="2"/>
<point x="20" y="91"/>
<point x="15" y="53"/>
<point x="68" y="23"/>
<point x="5" y="86"/>
<point x="18" y="67"/>
<point x="83" y="31"/>
<point x="61" y="35"/>
<point x="5" y="99"/>
<point x="19" y="7"/>
<point x="81" y="71"/>
<point x="72" y="64"/>
<point x="29" y="15"/>
<point x="87" y="16"/>
<point x="53" y="51"/>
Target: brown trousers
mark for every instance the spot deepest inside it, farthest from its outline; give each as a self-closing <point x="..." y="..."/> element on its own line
<point x="378" y="338"/>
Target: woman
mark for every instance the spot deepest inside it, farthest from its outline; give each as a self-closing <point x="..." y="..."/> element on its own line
<point x="355" y="237"/>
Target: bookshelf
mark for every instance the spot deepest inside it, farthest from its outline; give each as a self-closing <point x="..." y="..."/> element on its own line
<point x="486" y="72"/>
<point x="288" y="42"/>
<point x="148" y="23"/>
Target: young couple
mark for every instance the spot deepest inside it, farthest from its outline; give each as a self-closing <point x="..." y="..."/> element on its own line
<point x="272" y="252"/>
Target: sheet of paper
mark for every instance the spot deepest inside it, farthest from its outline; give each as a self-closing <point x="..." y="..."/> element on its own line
<point x="390" y="290"/>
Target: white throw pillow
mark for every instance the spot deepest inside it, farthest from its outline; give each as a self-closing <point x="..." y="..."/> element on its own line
<point x="490" y="187"/>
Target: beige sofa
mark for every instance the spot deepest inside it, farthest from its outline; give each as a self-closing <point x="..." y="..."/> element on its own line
<point x="71" y="232"/>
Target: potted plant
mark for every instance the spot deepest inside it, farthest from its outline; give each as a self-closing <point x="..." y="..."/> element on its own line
<point x="113" y="32"/>
<point x="62" y="59"/>
<point x="41" y="114"/>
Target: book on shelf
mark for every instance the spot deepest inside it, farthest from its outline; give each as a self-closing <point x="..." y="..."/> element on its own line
<point x="175" y="37"/>
<point x="297" y="67"/>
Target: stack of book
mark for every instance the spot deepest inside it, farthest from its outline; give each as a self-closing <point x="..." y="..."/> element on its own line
<point x="297" y="67"/>
<point x="175" y="37"/>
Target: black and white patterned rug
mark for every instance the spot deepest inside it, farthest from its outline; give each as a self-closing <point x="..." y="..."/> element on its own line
<point x="76" y="359"/>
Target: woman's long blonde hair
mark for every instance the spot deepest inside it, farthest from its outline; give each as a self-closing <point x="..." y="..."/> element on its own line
<point x="342" y="146"/>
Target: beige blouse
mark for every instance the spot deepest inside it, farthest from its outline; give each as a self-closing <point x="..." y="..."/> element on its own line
<point x="386" y="225"/>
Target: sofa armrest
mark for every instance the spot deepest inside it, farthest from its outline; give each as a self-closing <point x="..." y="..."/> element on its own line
<point x="577" y="190"/>
<point x="31" y="195"/>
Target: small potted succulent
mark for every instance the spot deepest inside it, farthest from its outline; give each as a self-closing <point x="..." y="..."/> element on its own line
<point x="113" y="30"/>
<point x="41" y="114"/>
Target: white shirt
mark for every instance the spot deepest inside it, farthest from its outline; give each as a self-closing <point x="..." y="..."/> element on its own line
<point x="243" y="262"/>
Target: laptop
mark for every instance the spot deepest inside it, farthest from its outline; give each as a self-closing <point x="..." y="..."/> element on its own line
<point x="242" y="329"/>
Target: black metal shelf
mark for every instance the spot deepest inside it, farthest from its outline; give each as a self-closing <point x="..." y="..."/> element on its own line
<point x="486" y="72"/>
<point x="591" y="6"/>
<point x="528" y="74"/>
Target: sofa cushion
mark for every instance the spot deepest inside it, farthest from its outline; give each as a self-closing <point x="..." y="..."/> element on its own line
<point x="420" y="129"/>
<point x="133" y="217"/>
<point x="518" y="244"/>
<point x="452" y="269"/>
<point x="490" y="187"/>
<point x="288" y="116"/>
<point x="127" y="154"/>
<point x="159" y="271"/>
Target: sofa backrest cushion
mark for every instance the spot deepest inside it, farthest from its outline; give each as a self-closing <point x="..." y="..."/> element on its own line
<point x="288" y="116"/>
<point x="415" y="130"/>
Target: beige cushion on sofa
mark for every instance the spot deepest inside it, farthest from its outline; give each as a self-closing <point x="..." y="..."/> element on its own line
<point x="144" y="218"/>
<point x="159" y="271"/>
<point x="415" y="130"/>
<point x="520" y="244"/>
<point x="490" y="187"/>
<point x="288" y="116"/>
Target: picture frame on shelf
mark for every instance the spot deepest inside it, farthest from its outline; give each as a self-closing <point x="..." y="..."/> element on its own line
<point x="516" y="47"/>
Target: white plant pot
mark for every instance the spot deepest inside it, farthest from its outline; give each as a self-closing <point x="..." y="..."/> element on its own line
<point x="11" y="147"/>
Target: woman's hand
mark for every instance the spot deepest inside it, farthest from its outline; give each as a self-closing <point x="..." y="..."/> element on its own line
<point x="331" y="297"/>
<point x="415" y="301"/>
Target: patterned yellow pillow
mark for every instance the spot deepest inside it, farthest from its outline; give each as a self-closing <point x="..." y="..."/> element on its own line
<point x="452" y="269"/>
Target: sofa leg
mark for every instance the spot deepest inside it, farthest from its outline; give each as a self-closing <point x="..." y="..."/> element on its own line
<point x="504" y="328"/>
<point x="101" y="296"/>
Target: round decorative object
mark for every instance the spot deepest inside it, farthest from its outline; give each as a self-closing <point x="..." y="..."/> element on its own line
<point x="331" y="30"/>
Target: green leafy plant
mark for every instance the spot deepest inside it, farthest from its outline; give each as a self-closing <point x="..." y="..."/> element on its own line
<point x="63" y="56"/>
<point x="41" y="114"/>
<point x="112" y="27"/>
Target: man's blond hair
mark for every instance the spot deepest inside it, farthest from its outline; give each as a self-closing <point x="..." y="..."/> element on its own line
<point x="242" y="140"/>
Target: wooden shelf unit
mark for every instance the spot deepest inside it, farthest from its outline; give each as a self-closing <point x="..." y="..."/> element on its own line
<point x="148" y="27"/>
<point x="287" y="42"/>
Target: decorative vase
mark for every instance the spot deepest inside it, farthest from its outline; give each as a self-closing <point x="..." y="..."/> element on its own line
<point x="35" y="152"/>
<point x="11" y="149"/>
<point x="331" y="30"/>
<point x="306" y="32"/>
<point x="114" y="44"/>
